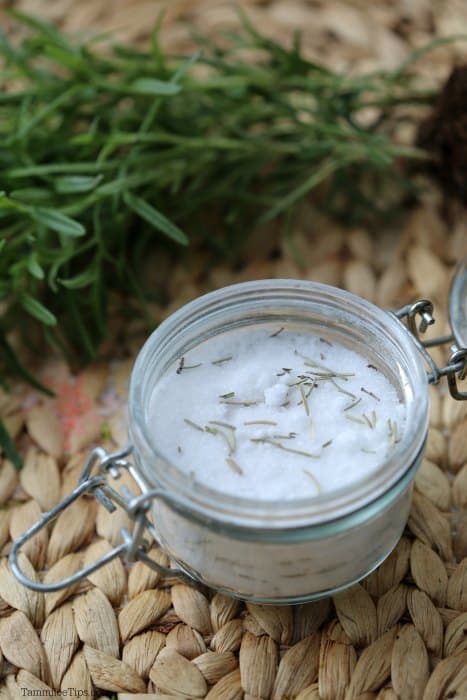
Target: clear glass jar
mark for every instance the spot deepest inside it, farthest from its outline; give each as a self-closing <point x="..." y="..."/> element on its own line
<point x="282" y="551"/>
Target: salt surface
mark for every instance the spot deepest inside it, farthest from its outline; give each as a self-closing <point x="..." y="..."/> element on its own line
<point x="275" y="415"/>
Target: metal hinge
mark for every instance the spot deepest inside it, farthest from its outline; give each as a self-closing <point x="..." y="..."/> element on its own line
<point x="419" y="316"/>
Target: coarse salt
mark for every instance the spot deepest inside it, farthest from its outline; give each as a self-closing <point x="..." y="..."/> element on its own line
<point x="275" y="414"/>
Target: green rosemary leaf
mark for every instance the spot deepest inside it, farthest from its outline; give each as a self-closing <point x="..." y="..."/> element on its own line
<point x="301" y="190"/>
<point x="81" y="280"/>
<point x="57" y="221"/>
<point x="155" y="218"/>
<point x="31" y="195"/>
<point x="422" y="50"/>
<point x="152" y="86"/>
<point x="8" y="447"/>
<point x="34" y="268"/>
<point x="16" y="367"/>
<point x="73" y="184"/>
<point x="37" y="309"/>
<point x="90" y="138"/>
<point x="46" y="29"/>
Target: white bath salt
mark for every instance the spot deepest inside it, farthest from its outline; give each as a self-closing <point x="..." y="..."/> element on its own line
<point x="269" y="415"/>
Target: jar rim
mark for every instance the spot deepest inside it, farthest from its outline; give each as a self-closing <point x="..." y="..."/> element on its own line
<point x="217" y="506"/>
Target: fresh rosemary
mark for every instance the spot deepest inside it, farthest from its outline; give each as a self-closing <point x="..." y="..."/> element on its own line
<point x="108" y="155"/>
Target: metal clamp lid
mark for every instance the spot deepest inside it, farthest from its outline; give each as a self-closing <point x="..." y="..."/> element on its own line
<point x="456" y="367"/>
<point x="134" y="546"/>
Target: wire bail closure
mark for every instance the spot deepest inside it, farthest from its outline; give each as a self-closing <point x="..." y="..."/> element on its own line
<point x="419" y="316"/>
<point x="134" y="546"/>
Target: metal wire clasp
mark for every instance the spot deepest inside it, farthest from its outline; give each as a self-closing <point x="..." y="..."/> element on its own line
<point x="134" y="546"/>
<point x="419" y="316"/>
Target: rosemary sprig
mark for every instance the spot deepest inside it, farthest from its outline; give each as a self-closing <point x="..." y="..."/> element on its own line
<point x="144" y="146"/>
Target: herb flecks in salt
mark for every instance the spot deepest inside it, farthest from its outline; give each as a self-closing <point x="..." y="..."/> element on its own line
<point x="194" y="425"/>
<point x="370" y="393"/>
<point x="182" y="366"/>
<point x="261" y="405"/>
<point x="221" y="360"/>
<point x="276" y="333"/>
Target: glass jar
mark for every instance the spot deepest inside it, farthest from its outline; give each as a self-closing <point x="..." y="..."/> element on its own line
<point x="288" y="551"/>
<point x="270" y="551"/>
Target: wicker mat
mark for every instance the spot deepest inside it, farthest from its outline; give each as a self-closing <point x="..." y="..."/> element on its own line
<point x="402" y="633"/>
<point x="127" y="632"/>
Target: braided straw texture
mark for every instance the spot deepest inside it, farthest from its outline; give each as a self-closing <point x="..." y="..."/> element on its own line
<point x="126" y="632"/>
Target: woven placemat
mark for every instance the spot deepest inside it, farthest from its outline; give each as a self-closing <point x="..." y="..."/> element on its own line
<point x="402" y="632"/>
<point x="347" y="34"/>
